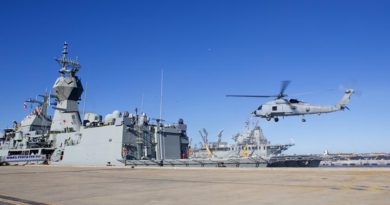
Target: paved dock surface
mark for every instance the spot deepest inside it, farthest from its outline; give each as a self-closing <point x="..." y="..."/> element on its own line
<point x="114" y="185"/>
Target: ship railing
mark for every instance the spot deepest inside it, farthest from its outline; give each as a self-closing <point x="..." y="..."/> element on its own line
<point x="212" y="162"/>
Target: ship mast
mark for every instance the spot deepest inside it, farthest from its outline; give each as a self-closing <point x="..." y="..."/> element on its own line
<point x="161" y="138"/>
<point x="68" y="90"/>
<point x="68" y="65"/>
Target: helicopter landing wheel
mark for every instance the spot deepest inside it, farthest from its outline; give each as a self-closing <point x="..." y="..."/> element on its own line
<point x="276" y="119"/>
<point x="268" y="118"/>
<point x="303" y="120"/>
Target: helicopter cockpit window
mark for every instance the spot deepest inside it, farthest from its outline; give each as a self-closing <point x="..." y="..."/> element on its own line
<point x="259" y="108"/>
<point x="294" y="101"/>
<point x="274" y="108"/>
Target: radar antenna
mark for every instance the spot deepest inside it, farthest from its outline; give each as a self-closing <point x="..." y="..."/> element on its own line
<point x="68" y="65"/>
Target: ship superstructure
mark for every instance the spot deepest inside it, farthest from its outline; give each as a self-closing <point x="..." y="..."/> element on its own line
<point x="30" y="137"/>
<point x="249" y="143"/>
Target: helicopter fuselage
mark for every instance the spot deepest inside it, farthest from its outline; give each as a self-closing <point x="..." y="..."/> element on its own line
<point x="292" y="107"/>
<point x="281" y="108"/>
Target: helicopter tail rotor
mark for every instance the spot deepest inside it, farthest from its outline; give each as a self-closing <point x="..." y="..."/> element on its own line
<point x="352" y="84"/>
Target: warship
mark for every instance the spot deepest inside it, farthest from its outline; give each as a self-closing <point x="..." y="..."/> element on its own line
<point x="252" y="144"/>
<point x="66" y="138"/>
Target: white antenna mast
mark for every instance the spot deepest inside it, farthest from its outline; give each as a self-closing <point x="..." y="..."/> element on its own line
<point x="85" y="99"/>
<point x="162" y="151"/>
<point x="161" y="94"/>
<point x="142" y="103"/>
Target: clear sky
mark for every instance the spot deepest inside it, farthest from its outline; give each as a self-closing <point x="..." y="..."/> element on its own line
<point x="208" y="49"/>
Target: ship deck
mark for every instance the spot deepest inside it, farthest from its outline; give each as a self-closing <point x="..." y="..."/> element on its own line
<point x="124" y="185"/>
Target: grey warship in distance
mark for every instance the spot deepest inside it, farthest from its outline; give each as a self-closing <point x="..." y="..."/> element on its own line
<point x="252" y="144"/>
<point x="66" y="139"/>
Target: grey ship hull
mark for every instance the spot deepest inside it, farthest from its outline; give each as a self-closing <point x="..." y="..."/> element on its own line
<point x="294" y="161"/>
<point x="253" y="162"/>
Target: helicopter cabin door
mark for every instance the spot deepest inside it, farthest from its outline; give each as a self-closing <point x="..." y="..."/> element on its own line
<point x="277" y="109"/>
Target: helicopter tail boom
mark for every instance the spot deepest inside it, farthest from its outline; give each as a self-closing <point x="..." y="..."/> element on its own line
<point x="345" y="99"/>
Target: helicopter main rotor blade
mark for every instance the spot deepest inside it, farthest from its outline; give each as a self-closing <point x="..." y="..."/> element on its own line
<point x="311" y="92"/>
<point x="279" y="96"/>
<point x="283" y="88"/>
<point x="252" y="96"/>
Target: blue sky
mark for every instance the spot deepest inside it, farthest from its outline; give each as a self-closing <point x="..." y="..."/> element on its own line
<point x="208" y="49"/>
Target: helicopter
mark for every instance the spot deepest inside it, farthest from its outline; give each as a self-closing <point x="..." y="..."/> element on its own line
<point x="282" y="107"/>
